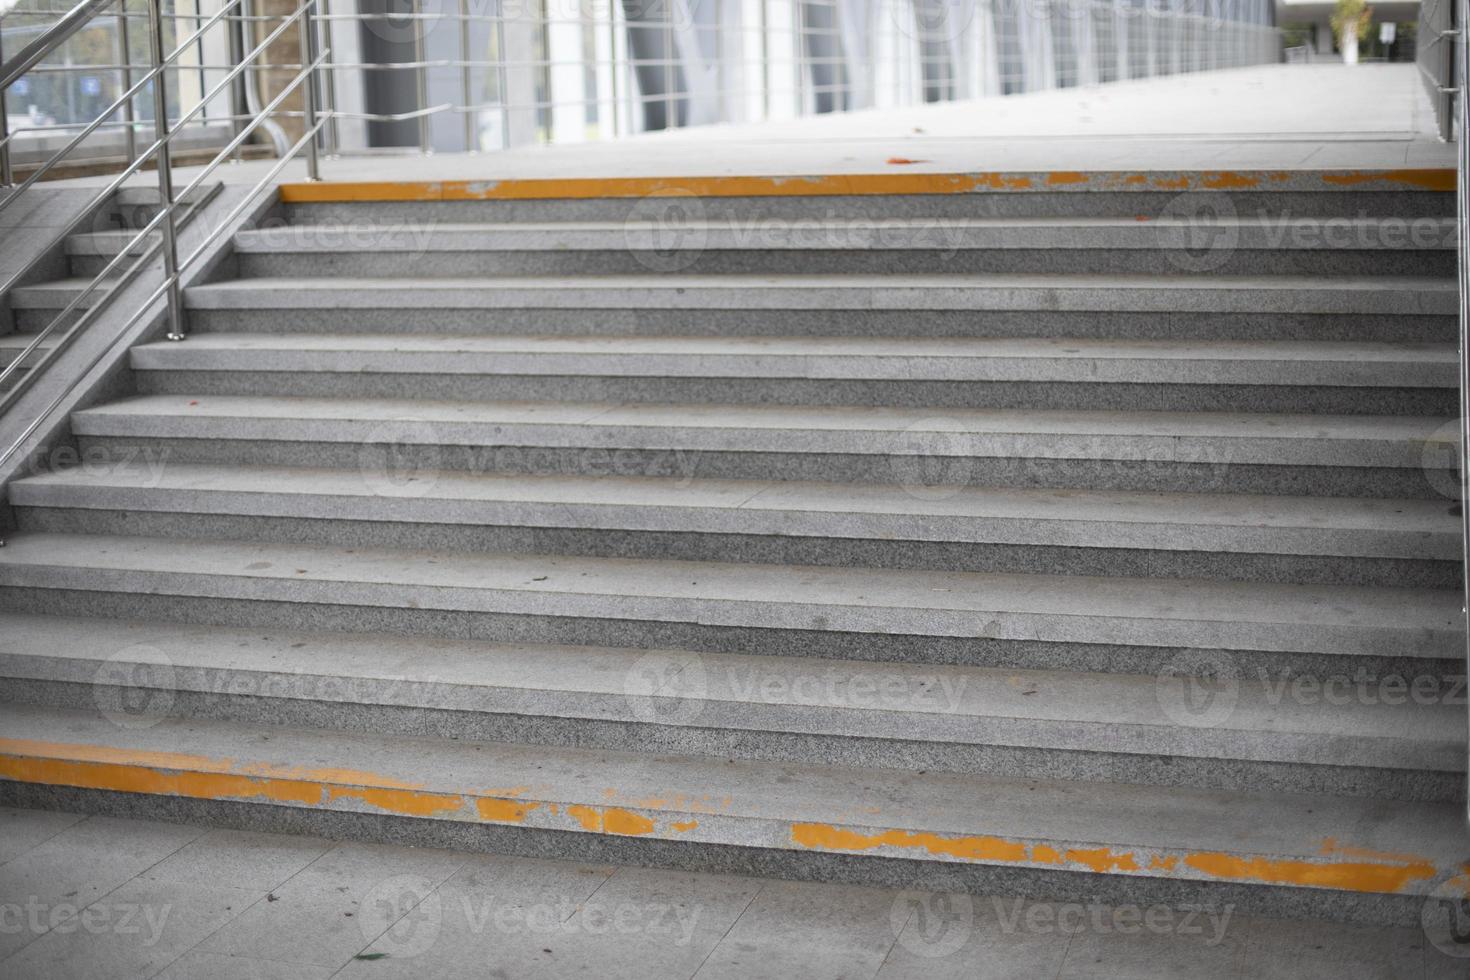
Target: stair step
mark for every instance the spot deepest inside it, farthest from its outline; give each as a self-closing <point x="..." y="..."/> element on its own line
<point x="109" y="243"/>
<point x="1268" y="198"/>
<point x="1365" y="378"/>
<point x="1172" y="307"/>
<point x="13" y="345"/>
<point x="983" y="619"/>
<point x="1389" y="296"/>
<point x="1057" y="724"/>
<point x="1161" y="451"/>
<point x="1329" y="857"/>
<point x="56" y="294"/>
<point x="684" y="240"/>
<point x="1375" y="542"/>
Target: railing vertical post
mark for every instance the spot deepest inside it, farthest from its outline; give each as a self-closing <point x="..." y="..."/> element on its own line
<point x="307" y="27"/>
<point x="239" y="100"/>
<point x="421" y="77"/>
<point x="1458" y="80"/>
<point x="165" y="172"/>
<point x="329" y="79"/>
<point x="125" y="62"/>
<point x="7" y="179"/>
<point x="466" y="84"/>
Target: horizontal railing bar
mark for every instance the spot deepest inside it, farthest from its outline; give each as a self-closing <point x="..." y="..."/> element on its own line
<point x="165" y="213"/>
<point x="55" y="36"/>
<point x="157" y="293"/>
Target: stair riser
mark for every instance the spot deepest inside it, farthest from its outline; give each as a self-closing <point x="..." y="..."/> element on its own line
<point x="325" y="262"/>
<point x="392" y="318"/>
<point x="929" y="475"/>
<point x="938" y="876"/>
<point x="162" y="604"/>
<point x="875" y="208"/>
<point x="527" y="533"/>
<point x="542" y="723"/>
<point x="30" y="321"/>
<point x="90" y="265"/>
<point x="1302" y="398"/>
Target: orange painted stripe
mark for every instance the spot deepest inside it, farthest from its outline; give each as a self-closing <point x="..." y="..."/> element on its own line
<point x="855" y="185"/>
<point x="1366" y="876"/>
<point x="1339" y="866"/>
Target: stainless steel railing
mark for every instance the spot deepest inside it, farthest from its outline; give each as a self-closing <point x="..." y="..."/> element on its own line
<point x="142" y="249"/>
<point x="1460" y="129"/>
<point x="471" y="75"/>
<point x="1435" y="55"/>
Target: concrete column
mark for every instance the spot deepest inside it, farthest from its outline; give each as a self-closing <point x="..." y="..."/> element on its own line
<point x="568" y="80"/>
<point x="518" y="51"/>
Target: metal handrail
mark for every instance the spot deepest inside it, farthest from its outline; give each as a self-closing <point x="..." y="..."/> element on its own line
<point x="140" y="250"/>
<point x="126" y="98"/>
<point x="307" y="139"/>
<point x="159" y="147"/>
<point x="56" y="35"/>
<point x="1461" y="64"/>
<point x="9" y="396"/>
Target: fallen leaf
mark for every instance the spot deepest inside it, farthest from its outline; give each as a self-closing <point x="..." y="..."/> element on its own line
<point x="901" y="161"/>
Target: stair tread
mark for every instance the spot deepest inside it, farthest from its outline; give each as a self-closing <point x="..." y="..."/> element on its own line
<point x="1057" y="709"/>
<point x="1232" y="522"/>
<point x="1306" y="294"/>
<point x="1296" y="364"/>
<point x="844" y="234"/>
<point x="54" y="293"/>
<point x="896" y="349"/>
<point x="1199" y="437"/>
<point x="1149" y="612"/>
<point x="1366" y="846"/>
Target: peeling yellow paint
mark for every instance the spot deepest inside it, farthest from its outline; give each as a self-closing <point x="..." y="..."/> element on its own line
<point x="1101" y="859"/>
<point x="1227" y="181"/>
<point x="1357" y="876"/>
<point x="1430" y="180"/>
<point x="970" y="848"/>
<point x="833" y="184"/>
<point x="626" y="823"/>
<point x="203" y="763"/>
<point x="402" y="801"/>
<point x="504" y="811"/>
<point x="1339" y="866"/>
<point x="589" y="817"/>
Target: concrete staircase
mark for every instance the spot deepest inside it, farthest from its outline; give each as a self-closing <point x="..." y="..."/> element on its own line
<point x="1014" y="541"/>
<point x="55" y="280"/>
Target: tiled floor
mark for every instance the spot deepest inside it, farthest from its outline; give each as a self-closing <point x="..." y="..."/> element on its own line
<point x="104" y="897"/>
